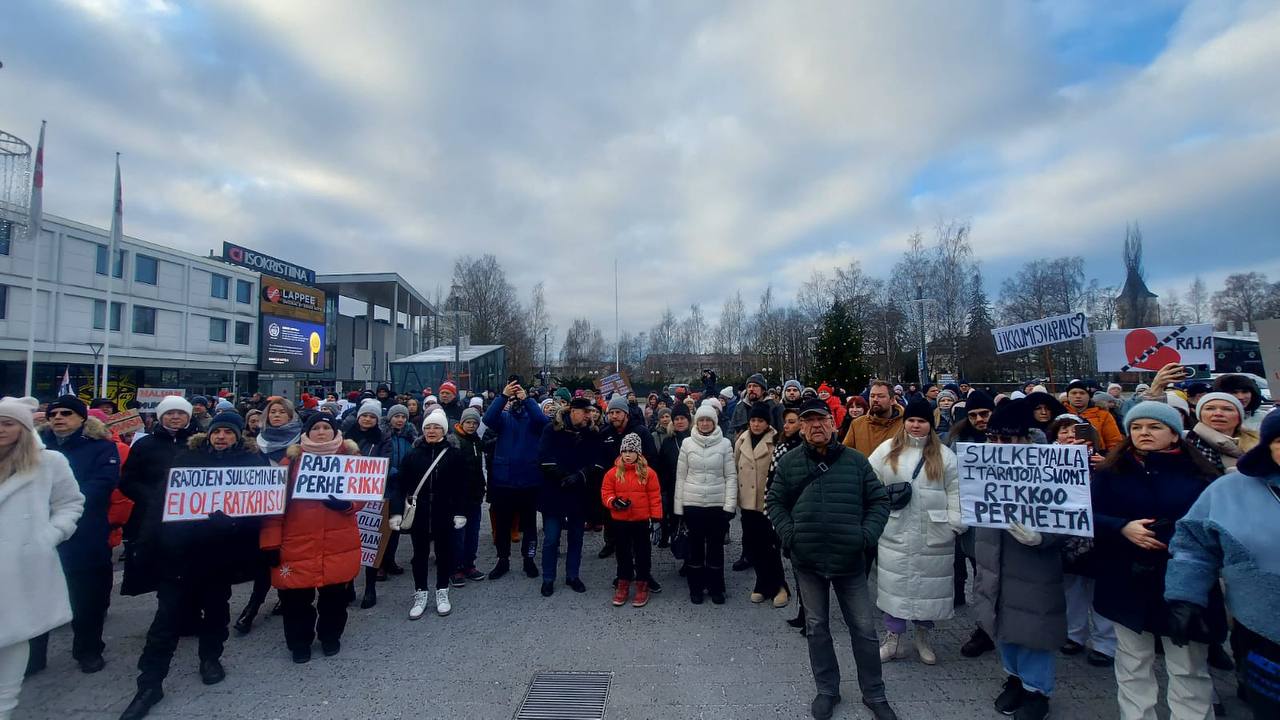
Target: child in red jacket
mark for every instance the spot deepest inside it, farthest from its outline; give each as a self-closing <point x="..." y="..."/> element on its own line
<point x="634" y="499"/>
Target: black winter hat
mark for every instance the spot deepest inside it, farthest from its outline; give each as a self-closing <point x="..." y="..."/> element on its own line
<point x="1078" y="385"/>
<point x="69" y="402"/>
<point x="761" y="410"/>
<point x="919" y="408"/>
<point x="230" y="420"/>
<point x="200" y="400"/>
<point x="96" y="402"/>
<point x="318" y="418"/>
<point x="1258" y="461"/>
<point x="680" y="410"/>
<point x="758" y="379"/>
<point x="579" y="403"/>
<point x="814" y="407"/>
<point x="979" y="400"/>
<point x="1011" y="419"/>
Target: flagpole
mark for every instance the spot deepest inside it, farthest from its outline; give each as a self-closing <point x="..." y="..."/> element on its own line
<point x="35" y="217"/>
<point x="117" y="220"/>
<point x="617" y="329"/>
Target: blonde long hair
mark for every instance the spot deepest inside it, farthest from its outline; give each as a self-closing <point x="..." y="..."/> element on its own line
<point x="21" y="456"/>
<point x="642" y="468"/>
<point x="932" y="453"/>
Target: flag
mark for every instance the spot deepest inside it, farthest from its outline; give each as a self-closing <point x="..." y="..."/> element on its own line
<point x="35" y="214"/>
<point x="117" y="216"/>
<point x="117" y="231"/>
<point x="65" y="387"/>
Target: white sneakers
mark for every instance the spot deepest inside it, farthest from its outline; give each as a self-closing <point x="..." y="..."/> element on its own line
<point x="893" y="647"/>
<point x="890" y="647"/>
<point x="420" y="600"/>
<point x="442" y="602"/>
<point x="927" y="656"/>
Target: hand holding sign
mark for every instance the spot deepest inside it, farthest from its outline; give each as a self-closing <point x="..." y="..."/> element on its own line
<point x="351" y="478"/>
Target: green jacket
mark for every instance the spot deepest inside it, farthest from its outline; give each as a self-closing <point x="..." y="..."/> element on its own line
<point x="830" y="522"/>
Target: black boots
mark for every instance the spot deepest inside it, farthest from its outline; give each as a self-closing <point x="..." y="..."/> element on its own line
<point x="141" y="703"/>
<point x="502" y="568"/>
<point x="244" y="623"/>
<point x="531" y="568"/>
<point x="211" y="672"/>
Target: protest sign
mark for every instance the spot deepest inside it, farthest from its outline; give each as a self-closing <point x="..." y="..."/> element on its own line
<point x="615" y="383"/>
<point x="346" y="477"/>
<point x="148" y="398"/>
<point x="371" y="519"/>
<point x="1269" y="344"/>
<point x="1051" y="330"/>
<point x="1153" y="348"/>
<point x="125" y="422"/>
<point x="193" y="493"/>
<point x="1042" y="487"/>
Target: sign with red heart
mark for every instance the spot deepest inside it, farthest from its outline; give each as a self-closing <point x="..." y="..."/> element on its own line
<point x="1149" y="349"/>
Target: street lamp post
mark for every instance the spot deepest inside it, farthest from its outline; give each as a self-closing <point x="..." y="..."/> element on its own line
<point x="96" y="347"/>
<point x="456" y="291"/>
<point x="235" y="387"/>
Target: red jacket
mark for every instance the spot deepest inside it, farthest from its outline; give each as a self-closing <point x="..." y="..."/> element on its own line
<point x="121" y="507"/>
<point x="318" y="546"/>
<point x="646" y="499"/>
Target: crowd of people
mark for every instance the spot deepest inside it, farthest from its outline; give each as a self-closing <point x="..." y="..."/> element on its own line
<point x="1185" y="485"/>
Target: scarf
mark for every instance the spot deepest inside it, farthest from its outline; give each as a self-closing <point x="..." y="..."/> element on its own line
<point x="1227" y="447"/>
<point x="276" y="439"/>
<point x="322" y="448"/>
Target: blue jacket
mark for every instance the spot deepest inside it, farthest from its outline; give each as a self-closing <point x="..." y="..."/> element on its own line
<point x="1233" y="531"/>
<point x="96" y="464"/>
<point x="515" y="456"/>
<point x="1130" y="580"/>
<point x="396" y="445"/>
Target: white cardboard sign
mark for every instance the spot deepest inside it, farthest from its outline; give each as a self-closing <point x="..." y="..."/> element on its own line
<point x="1042" y="487"/>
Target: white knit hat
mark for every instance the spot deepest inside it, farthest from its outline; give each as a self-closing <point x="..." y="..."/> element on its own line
<point x="437" y="418"/>
<point x="706" y="411"/>
<point x="477" y="402"/>
<point x="20" y="409"/>
<point x="173" y="402"/>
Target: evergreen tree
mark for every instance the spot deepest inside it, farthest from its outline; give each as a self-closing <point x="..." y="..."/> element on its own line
<point x="979" y="358"/>
<point x="838" y="355"/>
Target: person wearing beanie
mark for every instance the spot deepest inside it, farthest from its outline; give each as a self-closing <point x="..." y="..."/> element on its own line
<point x="313" y="550"/>
<point x="706" y="496"/>
<point x="915" y="563"/>
<point x="1021" y="600"/>
<point x="432" y="478"/>
<point x="200" y="416"/>
<point x="450" y="403"/>
<point x="741" y="413"/>
<point x="366" y="431"/>
<point x="39" y="498"/>
<point x="619" y="423"/>
<point x="942" y="418"/>
<point x="668" y="460"/>
<point x="1080" y="402"/>
<point x="1219" y="432"/>
<point x="86" y="556"/>
<point x="753" y="455"/>
<point x="1149" y="482"/>
<point x="106" y="405"/>
<point x="791" y="391"/>
<point x="1231" y="534"/>
<point x="465" y="438"/>
<point x="571" y="456"/>
<point x="837" y="408"/>
<point x="829" y="508"/>
<point x="384" y="396"/>
<point x="200" y="559"/>
<point x="882" y="421"/>
<point x="224" y="405"/>
<point x="398" y="435"/>
<point x="630" y="491"/>
<point x="515" y="477"/>
<point x="1246" y="391"/>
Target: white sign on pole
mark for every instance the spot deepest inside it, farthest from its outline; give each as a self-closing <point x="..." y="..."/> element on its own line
<point x="1153" y="348"/>
<point x="346" y="477"/>
<point x="193" y="493"/>
<point x="1051" y="330"/>
<point x="149" y="398"/>
<point x="1269" y="343"/>
<point x="1042" y="487"/>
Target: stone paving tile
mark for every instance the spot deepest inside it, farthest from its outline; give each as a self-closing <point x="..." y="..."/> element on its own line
<point x="671" y="660"/>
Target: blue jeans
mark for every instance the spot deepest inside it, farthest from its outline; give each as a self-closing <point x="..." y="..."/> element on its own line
<point x="467" y="540"/>
<point x="551" y="527"/>
<point x="1033" y="667"/>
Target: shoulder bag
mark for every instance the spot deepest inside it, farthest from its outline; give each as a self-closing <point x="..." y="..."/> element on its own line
<point x="411" y="503"/>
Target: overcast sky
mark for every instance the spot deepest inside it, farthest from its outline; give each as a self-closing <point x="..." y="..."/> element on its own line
<point x="709" y="146"/>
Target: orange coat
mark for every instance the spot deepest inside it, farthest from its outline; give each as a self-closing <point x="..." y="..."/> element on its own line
<point x="318" y="546"/>
<point x="1105" y="423"/>
<point x="646" y="499"/>
<point x="121" y="507"/>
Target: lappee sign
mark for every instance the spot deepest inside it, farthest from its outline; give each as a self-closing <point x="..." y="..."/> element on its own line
<point x="254" y="260"/>
<point x="280" y="297"/>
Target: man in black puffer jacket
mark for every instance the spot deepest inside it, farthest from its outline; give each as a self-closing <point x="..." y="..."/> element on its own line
<point x="828" y="506"/>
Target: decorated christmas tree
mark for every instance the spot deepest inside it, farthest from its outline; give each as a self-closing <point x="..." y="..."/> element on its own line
<point x="838" y="355"/>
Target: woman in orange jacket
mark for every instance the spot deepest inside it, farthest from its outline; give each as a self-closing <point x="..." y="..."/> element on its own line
<point x="634" y="498"/>
<point x="314" y="550"/>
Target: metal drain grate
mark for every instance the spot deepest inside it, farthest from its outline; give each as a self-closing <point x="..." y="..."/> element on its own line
<point x="566" y="696"/>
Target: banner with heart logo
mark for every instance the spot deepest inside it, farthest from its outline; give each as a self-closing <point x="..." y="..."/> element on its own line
<point x="1149" y="349"/>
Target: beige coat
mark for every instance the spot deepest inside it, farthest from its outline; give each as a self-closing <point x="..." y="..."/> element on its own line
<point x="753" y="469"/>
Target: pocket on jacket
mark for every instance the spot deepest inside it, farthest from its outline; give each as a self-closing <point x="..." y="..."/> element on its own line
<point x="939" y="532"/>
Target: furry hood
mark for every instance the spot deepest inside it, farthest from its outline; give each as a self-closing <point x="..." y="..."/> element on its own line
<point x="93" y="428"/>
<point x="349" y="447"/>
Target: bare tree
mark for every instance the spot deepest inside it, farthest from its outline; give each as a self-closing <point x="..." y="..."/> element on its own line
<point x="1173" y="310"/>
<point x="1198" y="301"/>
<point x="576" y="352"/>
<point x="1243" y="299"/>
<point x="814" y="296"/>
<point x="485" y="294"/>
<point x="662" y="336"/>
<point x="693" y="330"/>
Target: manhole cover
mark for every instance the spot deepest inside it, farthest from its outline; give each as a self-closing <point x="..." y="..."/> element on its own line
<point x="566" y="696"/>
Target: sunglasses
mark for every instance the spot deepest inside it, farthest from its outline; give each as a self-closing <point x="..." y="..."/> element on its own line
<point x="979" y="414"/>
<point x="60" y="413"/>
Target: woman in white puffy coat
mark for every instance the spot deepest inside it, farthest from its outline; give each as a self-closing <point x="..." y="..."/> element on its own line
<point x="706" y="496"/>
<point x="40" y="503"/>
<point x="915" y="562"/>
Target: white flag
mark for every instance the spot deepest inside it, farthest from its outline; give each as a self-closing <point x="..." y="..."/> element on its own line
<point x="35" y="214"/>
<point x="65" y="387"/>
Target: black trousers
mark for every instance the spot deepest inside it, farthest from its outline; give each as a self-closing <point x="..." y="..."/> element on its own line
<point x="631" y="539"/>
<point x="89" y="590"/>
<point x="174" y="599"/>
<point x="760" y="546"/>
<point x="508" y="504"/>
<point x="421" y="562"/>
<point x="304" y="622"/>
<point x="707" y="526"/>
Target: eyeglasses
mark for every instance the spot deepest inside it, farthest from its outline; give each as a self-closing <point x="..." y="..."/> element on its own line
<point x="60" y="413"/>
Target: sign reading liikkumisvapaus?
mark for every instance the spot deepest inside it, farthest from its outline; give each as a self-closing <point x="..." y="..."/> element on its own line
<point x="193" y="493"/>
<point x="346" y="477"/>
<point x="1036" y="333"/>
<point x="1042" y="487"/>
<point x="254" y="260"/>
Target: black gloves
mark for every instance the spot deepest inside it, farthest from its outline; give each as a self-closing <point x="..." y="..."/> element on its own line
<point x="619" y="503"/>
<point x="729" y="515"/>
<point x="334" y="503"/>
<point x="220" y="520"/>
<point x="573" y="480"/>
<point x="271" y="557"/>
<point x="1187" y="623"/>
